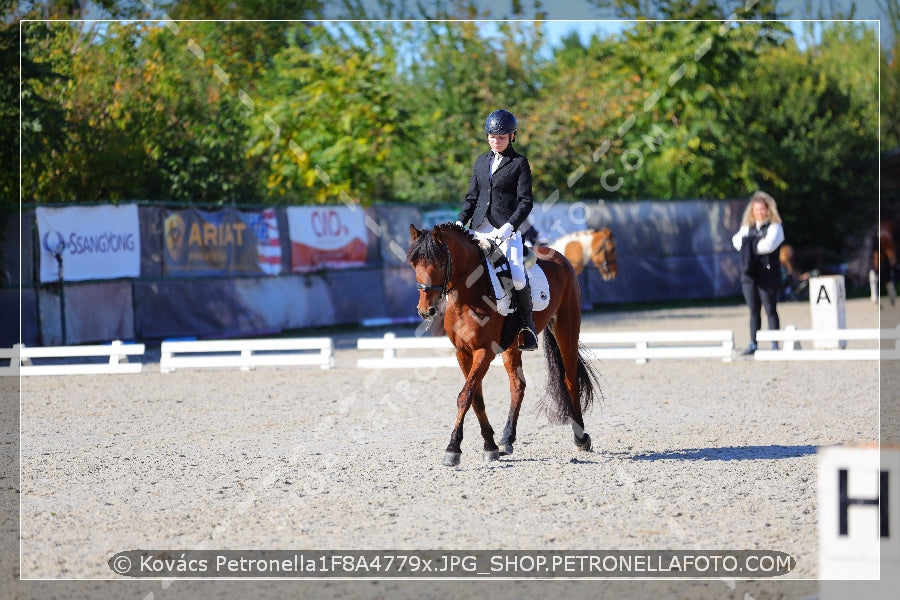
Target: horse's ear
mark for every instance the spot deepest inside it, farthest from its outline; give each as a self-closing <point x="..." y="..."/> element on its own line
<point x="436" y="234"/>
<point x="413" y="233"/>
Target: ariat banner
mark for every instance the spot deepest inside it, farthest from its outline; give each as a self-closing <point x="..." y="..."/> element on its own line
<point x="91" y="242"/>
<point x="223" y="242"/>
<point x="326" y="237"/>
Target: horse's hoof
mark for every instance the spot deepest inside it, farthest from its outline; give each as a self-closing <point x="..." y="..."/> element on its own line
<point x="451" y="459"/>
<point x="584" y="443"/>
<point x="506" y="449"/>
<point x="491" y="455"/>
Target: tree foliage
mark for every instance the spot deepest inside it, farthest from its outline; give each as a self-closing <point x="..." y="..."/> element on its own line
<point x="709" y="102"/>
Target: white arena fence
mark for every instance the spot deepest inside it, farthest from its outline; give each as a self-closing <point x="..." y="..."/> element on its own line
<point x="20" y="359"/>
<point x="791" y="344"/>
<point x="407" y="352"/>
<point x="641" y="346"/>
<point x="246" y="354"/>
<point x="415" y="352"/>
<point x="433" y="352"/>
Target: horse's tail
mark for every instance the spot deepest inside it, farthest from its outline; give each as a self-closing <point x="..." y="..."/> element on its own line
<point x="559" y="407"/>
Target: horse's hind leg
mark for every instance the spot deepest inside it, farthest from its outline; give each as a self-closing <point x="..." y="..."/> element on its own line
<point x="565" y="330"/>
<point x="512" y="360"/>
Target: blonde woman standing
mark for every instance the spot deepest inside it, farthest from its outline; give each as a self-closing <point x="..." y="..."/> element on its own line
<point x="758" y="240"/>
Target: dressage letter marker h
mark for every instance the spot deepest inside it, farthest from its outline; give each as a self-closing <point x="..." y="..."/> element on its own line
<point x="880" y="502"/>
<point x="859" y="512"/>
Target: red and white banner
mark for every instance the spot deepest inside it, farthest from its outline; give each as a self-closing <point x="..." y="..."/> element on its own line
<point x="93" y="242"/>
<point x="326" y="237"/>
<point x="268" y="244"/>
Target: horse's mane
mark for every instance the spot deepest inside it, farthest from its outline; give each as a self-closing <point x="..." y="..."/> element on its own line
<point x="574" y="235"/>
<point x="425" y="248"/>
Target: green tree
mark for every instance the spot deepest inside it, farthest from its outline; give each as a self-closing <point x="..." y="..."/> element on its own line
<point x="585" y="94"/>
<point x="652" y="113"/>
<point x="191" y="102"/>
<point x="461" y="73"/>
<point x="327" y="118"/>
<point x="152" y="111"/>
<point x="815" y="136"/>
<point x="890" y="78"/>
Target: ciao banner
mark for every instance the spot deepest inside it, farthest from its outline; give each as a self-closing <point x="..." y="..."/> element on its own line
<point x="223" y="242"/>
<point x="79" y="243"/>
<point x="326" y="237"/>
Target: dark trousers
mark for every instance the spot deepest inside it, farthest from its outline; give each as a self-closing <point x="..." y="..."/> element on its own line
<point x="759" y="294"/>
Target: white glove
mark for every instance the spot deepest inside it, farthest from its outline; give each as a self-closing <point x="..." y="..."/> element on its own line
<point x="505" y="232"/>
<point x="460" y="223"/>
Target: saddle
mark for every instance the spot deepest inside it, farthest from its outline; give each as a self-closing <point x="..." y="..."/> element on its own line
<point x="497" y="259"/>
<point x="503" y="298"/>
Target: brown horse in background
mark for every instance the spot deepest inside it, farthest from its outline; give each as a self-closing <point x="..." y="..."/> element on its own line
<point x="597" y="246"/>
<point x="884" y="258"/>
<point x="449" y="264"/>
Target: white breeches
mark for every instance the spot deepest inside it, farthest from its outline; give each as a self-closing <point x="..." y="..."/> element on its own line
<point x="512" y="248"/>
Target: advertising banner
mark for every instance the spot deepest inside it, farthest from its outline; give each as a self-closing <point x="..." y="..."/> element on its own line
<point x="222" y="242"/>
<point x="93" y="242"/>
<point x="268" y="241"/>
<point x="326" y="237"/>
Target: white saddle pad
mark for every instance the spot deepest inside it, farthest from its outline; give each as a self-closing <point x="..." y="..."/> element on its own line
<point x="540" y="290"/>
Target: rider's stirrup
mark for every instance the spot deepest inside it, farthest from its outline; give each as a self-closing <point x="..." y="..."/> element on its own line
<point x="523" y="297"/>
<point x="529" y="341"/>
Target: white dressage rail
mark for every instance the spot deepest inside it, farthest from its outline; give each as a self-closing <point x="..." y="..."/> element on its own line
<point x="439" y="348"/>
<point x="641" y="346"/>
<point x="602" y="345"/>
<point x="246" y="354"/>
<point x="790" y="336"/>
<point x="20" y="356"/>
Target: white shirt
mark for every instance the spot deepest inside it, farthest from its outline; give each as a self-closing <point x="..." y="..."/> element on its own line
<point x="496" y="163"/>
<point x="768" y="244"/>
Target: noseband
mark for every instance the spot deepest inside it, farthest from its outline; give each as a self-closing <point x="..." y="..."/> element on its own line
<point x="448" y="271"/>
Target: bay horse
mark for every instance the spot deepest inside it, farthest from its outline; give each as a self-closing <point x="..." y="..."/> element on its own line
<point x="597" y="246"/>
<point x="885" y="251"/>
<point x="452" y="278"/>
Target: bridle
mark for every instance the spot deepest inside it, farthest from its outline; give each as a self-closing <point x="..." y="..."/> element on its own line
<point x="604" y="247"/>
<point x="448" y="272"/>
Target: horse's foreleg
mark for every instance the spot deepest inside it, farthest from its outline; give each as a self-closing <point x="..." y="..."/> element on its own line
<point x="474" y="367"/>
<point x="491" y="451"/>
<point x="512" y="359"/>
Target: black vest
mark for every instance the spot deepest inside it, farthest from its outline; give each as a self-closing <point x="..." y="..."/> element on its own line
<point x="761" y="267"/>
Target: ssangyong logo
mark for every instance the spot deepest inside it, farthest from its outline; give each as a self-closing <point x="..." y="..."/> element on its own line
<point x="53" y="242"/>
<point x="102" y="243"/>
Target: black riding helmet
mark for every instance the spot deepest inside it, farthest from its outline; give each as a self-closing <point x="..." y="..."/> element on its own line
<point x="500" y="122"/>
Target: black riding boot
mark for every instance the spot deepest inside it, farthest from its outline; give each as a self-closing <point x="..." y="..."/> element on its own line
<point x="523" y="299"/>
